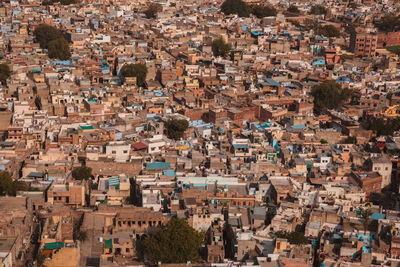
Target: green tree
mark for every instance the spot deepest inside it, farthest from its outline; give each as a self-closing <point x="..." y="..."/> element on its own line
<point x="152" y="10"/>
<point x="9" y="187"/>
<point x="381" y="126"/>
<point x="293" y="9"/>
<point x="6" y="184"/>
<point x="330" y="66"/>
<point x="44" y="34"/>
<point x="82" y="173"/>
<point x="176" y="243"/>
<point x="350" y="140"/>
<point x="5" y="73"/>
<point x="394" y="49"/>
<point x="220" y="47"/>
<point x="176" y="128"/>
<point x="59" y="48"/>
<point x="329" y="95"/>
<point x="323" y="141"/>
<point x="365" y="214"/>
<point x="329" y="31"/>
<point x="62" y="2"/>
<point x="318" y="10"/>
<point x="40" y="258"/>
<point x="81" y="235"/>
<point x="389" y="23"/>
<point x="296" y="238"/>
<point x="135" y="70"/>
<point x="261" y="11"/>
<point x="235" y="7"/>
<point x="353" y="5"/>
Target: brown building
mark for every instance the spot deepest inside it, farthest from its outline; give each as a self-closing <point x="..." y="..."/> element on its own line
<point x="64" y="193"/>
<point x="364" y="44"/>
<point x="215" y="246"/>
<point x="370" y="182"/>
<point x="138" y="220"/>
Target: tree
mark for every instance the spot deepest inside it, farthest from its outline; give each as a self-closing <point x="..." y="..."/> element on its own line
<point x="389" y="23"/>
<point x="296" y="238"/>
<point x="330" y="66"/>
<point x="40" y="258"/>
<point x="62" y="2"/>
<point x="235" y="7"/>
<point x="44" y="34"/>
<point x="318" y="10"/>
<point x="382" y="126"/>
<point x="9" y="187"/>
<point x="261" y="11"/>
<point x="323" y="141"/>
<point x="176" y="243"/>
<point x="81" y="235"/>
<point x="329" y="31"/>
<point x="5" y="73"/>
<point x="135" y="70"/>
<point x="152" y="10"/>
<point x="394" y="49"/>
<point x="329" y="95"/>
<point x="176" y="128"/>
<point x="365" y="214"/>
<point x="353" y="5"/>
<point x="293" y="9"/>
<point x="82" y="173"/>
<point x="59" y="48"/>
<point x="220" y="47"/>
<point x="350" y="140"/>
<point x="6" y="184"/>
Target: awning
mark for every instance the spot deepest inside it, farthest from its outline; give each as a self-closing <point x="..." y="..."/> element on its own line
<point x="54" y="245"/>
<point x="240" y="146"/>
<point x="108" y="243"/>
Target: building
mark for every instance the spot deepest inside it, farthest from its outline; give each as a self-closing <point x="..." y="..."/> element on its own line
<point x="364" y="44"/>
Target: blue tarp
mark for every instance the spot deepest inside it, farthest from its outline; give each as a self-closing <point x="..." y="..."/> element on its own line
<point x="271" y="82"/>
<point x="157" y="165"/>
<point x="299" y="126"/>
<point x="344" y="79"/>
<point x="256" y="33"/>
<point x="63" y="63"/>
<point x="378" y="216"/>
<point x="238" y="146"/>
<point x="169" y="172"/>
<point x="275" y="145"/>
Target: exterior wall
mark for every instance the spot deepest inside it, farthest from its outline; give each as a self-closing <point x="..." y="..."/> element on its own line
<point x="125" y="247"/>
<point x="393" y="38"/>
<point x="6" y="259"/>
<point x="384" y="169"/>
<point x="364" y="44"/>
<point x="118" y="152"/>
<point x="244" y="247"/>
<point x="74" y="195"/>
<point x="156" y="147"/>
<point x="65" y="257"/>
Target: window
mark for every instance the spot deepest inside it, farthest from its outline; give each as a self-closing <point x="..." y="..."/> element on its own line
<point x="127" y="250"/>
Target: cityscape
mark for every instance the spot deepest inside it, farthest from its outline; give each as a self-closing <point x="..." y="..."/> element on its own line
<point x="199" y="133"/>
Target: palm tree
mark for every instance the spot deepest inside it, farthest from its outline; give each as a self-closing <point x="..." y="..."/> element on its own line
<point x="365" y="214"/>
